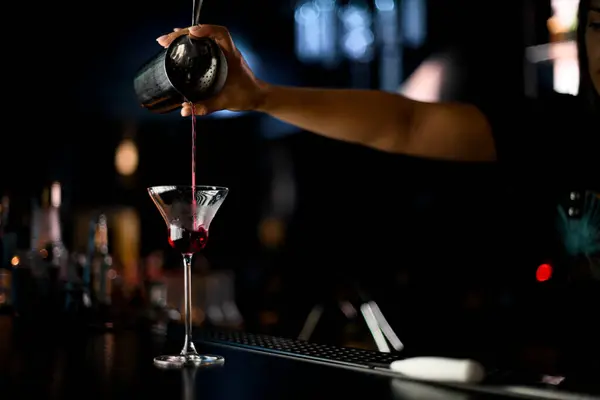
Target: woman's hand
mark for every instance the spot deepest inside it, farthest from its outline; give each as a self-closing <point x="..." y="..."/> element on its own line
<point x="242" y="90"/>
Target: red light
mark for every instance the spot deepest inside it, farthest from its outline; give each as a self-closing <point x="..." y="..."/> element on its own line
<point x="543" y="273"/>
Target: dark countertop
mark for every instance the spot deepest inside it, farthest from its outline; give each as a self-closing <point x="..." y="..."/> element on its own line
<point x="119" y="365"/>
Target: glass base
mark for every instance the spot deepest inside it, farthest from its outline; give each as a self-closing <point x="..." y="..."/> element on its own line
<point x="190" y="360"/>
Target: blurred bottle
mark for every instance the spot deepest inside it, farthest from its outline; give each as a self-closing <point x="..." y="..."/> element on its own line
<point x="7" y="252"/>
<point x="3" y="221"/>
<point x="156" y="311"/>
<point x="57" y="255"/>
<point x="221" y="308"/>
<point x="41" y="297"/>
<point x="100" y="273"/>
<point x="35" y="287"/>
<point x="101" y="262"/>
<point x="77" y="308"/>
<point x="23" y="289"/>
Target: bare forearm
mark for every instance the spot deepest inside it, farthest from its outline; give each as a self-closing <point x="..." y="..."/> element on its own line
<point x="372" y="118"/>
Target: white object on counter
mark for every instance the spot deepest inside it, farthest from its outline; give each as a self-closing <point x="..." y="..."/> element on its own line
<point x="440" y="369"/>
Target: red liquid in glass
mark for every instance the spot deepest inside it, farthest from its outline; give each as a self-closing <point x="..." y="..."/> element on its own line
<point x="186" y="241"/>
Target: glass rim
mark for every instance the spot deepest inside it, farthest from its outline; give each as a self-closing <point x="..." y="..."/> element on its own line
<point x="167" y="188"/>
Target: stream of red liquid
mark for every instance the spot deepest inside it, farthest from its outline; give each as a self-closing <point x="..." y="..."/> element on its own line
<point x="194" y="207"/>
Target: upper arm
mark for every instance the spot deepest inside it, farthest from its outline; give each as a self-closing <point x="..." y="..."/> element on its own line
<point x="450" y="131"/>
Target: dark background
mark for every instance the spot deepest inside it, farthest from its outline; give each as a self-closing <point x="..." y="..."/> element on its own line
<point x="423" y="237"/>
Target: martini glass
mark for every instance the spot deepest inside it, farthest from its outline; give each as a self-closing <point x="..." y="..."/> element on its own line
<point x="188" y="212"/>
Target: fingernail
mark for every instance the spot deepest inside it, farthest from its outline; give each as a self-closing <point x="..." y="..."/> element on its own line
<point x="161" y="38"/>
<point x="195" y="28"/>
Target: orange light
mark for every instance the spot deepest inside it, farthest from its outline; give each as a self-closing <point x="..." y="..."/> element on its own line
<point x="126" y="158"/>
<point x="543" y="273"/>
<point x="15" y="261"/>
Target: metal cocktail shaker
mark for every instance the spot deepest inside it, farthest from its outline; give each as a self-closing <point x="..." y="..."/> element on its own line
<point x="190" y="69"/>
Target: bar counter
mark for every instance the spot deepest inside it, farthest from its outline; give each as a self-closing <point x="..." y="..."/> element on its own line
<point x="118" y="365"/>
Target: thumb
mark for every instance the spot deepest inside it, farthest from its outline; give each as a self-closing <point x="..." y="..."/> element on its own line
<point x="203" y="108"/>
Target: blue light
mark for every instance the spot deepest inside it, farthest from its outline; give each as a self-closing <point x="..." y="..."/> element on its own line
<point x="315" y="25"/>
<point x="358" y="38"/>
<point x="357" y="43"/>
<point x="385" y="5"/>
<point x="414" y="22"/>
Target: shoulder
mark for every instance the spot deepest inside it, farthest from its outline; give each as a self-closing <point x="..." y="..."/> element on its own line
<point x="524" y="127"/>
<point x="565" y="105"/>
<point x="556" y="107"/>
<point x="493" y="130"/>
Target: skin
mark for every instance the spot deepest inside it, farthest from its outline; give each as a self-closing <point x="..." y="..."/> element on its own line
<point x="384" y="121"/>
<point x="592" y="43"/>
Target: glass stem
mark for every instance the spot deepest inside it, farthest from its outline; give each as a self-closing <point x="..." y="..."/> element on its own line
<point x="188" y="346"/>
